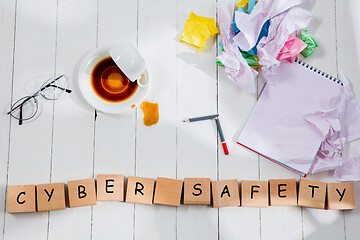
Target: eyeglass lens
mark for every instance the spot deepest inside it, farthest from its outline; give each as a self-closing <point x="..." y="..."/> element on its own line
<point x="27" y="107"/>
<point x="24" y="109"/>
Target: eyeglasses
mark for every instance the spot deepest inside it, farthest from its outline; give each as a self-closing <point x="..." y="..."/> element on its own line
<point x="27" y="107"/>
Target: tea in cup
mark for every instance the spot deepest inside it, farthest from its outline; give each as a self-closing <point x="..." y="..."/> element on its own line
<point x="116" y="78"/>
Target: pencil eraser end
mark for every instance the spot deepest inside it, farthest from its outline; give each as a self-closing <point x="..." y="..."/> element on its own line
<point x="226" y="151"/>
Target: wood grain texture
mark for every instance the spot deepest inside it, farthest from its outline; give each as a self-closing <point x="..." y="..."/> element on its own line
<point x="73" y="136"/>
<point x="348" y="56"/>
<point x="197" y="141"/>
<point x="197" y="191"/>
<point x="50" y="196"/>
<point x="68" y="142"/>
<point x="21" y="198"/>
<point x="323" y="224"/>
<point x="234" y="106"/>
<point x="30" y="150"/>
<point x="7" y="23"/>
<point x="115" y="134"/>
<point x="156" y="145"/>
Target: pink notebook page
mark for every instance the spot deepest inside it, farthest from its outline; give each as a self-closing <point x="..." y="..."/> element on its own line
<point x="277" y="129"/>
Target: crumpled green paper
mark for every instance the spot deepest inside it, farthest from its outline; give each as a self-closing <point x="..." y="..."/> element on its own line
<point x="310" y="41"/>
<point x="197" y="30"/>
<point x="252" y="61"/>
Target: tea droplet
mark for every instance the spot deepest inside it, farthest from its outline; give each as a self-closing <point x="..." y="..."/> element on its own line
<point x="151" y="113"/>
<point x="132" y="106"/>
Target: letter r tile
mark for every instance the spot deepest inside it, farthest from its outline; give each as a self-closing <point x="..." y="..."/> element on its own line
<point x="140" y="190"/>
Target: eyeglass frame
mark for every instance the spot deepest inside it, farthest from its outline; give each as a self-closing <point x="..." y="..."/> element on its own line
<point x="34" y="96"/>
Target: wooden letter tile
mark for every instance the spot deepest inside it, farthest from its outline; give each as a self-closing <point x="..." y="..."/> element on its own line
<point x="82" y="192"/>
<point x="21" y="198"/>
<point x="225" y="193"/>
<point x="340" y="196"/>
<point x="283" y="192"/>
<point x="110" y="187"/>
<point x="168" y="191"/>
<point x="311" y="193"/>
<point x="140" y="190"/>
<point x="254" y="193"/>
<point x="50" y="196"/>
<point x="197" y="191"/>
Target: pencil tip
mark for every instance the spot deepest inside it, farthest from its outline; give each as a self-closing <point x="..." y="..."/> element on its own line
<point x="186" y="120"/>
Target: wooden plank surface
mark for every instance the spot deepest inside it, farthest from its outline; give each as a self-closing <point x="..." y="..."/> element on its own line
<point x="7" y="23"/>
<point x="234" y="106"/>
<point x="73" y="137"/>
<point x="30" y="143"/>
<point x="323" y="224"/>
<point x="156" y="145"/>
<point x="115" y="134"/>
<point x="197" y="141"/>
<point x="348" y="53"/>
<point x="68" y="141"/>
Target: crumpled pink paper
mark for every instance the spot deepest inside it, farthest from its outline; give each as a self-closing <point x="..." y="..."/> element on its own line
<point x="250" y="24"/>
<point x="236" y="66"/>
<point x="292" y="47"/>
<point x="330" y="152"/>
<point x="337" y="127"/>
<point x="349" y="169"/>
<point x="280" y="28"/>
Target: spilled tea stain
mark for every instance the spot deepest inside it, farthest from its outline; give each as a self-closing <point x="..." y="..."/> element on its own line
<point x="151" y="113"/>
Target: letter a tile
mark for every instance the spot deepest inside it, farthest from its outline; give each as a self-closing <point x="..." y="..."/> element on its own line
<point x="225" y="193"/>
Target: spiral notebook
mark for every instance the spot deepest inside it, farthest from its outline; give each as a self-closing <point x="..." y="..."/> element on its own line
<point x="277" y="127"/>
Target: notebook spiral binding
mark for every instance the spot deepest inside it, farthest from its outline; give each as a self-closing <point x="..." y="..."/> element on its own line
<point x="324" y="74"/>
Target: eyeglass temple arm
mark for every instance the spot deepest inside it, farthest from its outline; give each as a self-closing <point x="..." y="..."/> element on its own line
<point x="20" y="105"/>
<point x="64" y="89"/>
<point x="52" y="82"/>
<point x="21" y="114"/>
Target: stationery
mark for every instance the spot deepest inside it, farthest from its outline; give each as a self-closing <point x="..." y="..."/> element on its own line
<point x="301" y="108"/>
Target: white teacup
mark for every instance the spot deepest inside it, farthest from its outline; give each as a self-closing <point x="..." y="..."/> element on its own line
<point x="131" y="63"/>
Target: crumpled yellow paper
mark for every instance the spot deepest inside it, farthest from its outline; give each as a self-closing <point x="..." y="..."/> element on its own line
<point x="197" y="30"/>
<point x="243" y="3"/>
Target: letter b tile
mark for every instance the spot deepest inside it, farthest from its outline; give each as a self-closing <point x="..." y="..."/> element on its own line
<point x="82" y="192"/>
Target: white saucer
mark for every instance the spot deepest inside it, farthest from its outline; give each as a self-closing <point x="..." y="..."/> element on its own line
<point x="86" y="66"/>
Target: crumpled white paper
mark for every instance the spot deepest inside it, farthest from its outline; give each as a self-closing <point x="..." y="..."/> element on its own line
<point x="280" y="28"/>
<point x="236" y="66"/>
<point x="250" y="24"/>
<point x="338" y="126"/>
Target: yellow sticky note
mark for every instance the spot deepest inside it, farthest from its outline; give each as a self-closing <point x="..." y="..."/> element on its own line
<point x="197" y="30"/>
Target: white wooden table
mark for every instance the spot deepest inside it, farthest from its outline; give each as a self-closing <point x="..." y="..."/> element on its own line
<point x="69" y="141"/>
